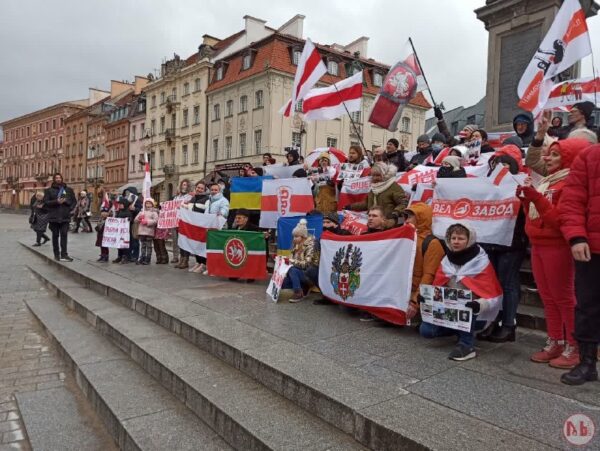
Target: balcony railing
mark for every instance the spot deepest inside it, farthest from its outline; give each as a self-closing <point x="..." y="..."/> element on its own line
<point x="169" y="169"/>
<point x="170" y="134"/>
<point x="171" y="103"/>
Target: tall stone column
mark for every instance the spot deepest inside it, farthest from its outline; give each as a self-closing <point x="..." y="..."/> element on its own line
<point x="516" y="29"/>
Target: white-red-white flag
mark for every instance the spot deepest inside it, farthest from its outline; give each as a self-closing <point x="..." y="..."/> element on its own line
<point x="570" y="92"/>
<point x="331" y="102"/>
<point x="310" y="69"/>
<point x="284" y="197"/>
<point x="147" y="184"/>
<point x="400" y="86"/>
<point x="566" y="42"/>
<point x="193" y="228"/>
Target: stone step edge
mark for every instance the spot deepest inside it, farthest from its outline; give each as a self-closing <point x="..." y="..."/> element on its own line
<point x="114" y="427"/>
<point x="207" y="411"/>
<point x="315" y="401"/>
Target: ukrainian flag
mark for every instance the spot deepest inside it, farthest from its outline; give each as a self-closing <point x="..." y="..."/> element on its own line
<point x="246" y="192"/>
<point x="285" y="226"/>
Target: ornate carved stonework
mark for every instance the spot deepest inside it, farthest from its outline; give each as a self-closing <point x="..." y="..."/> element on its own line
<point x="227" y="127"/>
<point x="297" y="121"/>
<point x="242" y="124"/>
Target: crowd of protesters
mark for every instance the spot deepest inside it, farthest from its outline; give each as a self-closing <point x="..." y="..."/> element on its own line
<point x="558" y="226"/>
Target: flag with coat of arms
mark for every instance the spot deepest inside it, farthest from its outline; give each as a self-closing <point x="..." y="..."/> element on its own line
<point x="236" y="253"/>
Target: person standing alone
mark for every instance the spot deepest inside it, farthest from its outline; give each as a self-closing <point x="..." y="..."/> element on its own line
<point x="59" y="199"/>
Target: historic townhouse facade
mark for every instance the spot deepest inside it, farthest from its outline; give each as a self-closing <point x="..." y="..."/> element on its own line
<point x="32" y="151"/>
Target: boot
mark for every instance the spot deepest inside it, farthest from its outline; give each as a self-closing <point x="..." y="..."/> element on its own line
<point x="157" y="251"/>
<point x="184" y="263"/>
<point x="586" y="370"/>
<point x="551" y="351"/>
<point x="503" y="334"/>
<point x="486" y="333"/>
<point x="164" y="255"/>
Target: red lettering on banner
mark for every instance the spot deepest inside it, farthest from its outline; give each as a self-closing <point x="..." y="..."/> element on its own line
<point x="283" y="200"/>
<point x="481" y="210"/>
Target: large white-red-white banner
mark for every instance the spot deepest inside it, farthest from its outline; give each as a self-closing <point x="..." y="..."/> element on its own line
<point x="354" y="191"/>
<point x="284" y="197"/>
<point x="490" y="209"/>
<point x="371" y="272"/>
<point x="565" y="43"/>
<point x="193" y="228"/>
<point x="331" y="102"/>
<point x="570" y="92"/>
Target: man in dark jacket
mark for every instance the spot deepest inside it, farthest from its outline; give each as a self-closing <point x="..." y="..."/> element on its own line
<point x="580" y="116"/>
<point x="124" y="211"/>
<point x="331" y="223"/>
<point x="523" y="126"/>
<point x="395" y="156"/>
<point x="59" y="199"/>
<point x="135" y="206"/>
<point x="424" y="151"/>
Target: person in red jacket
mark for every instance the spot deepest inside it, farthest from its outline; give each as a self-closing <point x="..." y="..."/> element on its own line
<point x="551" y="261"/>
<point x="580" y="224"/>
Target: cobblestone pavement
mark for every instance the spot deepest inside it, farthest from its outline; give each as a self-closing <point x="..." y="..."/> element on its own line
<point x="27" y="359"/>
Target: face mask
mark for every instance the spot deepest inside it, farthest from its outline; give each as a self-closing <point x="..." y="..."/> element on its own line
<point x="437" y="147"/>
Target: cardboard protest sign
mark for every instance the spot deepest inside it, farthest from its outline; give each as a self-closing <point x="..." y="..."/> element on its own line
<point x="445" y="307"/>
<point x="279" y="272"/>
<point x="116" y="233"/>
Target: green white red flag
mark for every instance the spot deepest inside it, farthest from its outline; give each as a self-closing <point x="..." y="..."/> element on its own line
<point x="236" y="253"/>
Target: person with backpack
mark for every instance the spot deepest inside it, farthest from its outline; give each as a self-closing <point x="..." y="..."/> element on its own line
<point x="429" y="254"/>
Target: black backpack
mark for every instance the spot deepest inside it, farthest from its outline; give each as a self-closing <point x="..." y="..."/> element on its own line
<point x="427" y="241"/>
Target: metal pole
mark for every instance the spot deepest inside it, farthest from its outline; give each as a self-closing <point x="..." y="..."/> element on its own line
<point x="422" y="71"/>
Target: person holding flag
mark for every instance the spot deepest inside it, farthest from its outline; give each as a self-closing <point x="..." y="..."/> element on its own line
<point x="60" y="200"/>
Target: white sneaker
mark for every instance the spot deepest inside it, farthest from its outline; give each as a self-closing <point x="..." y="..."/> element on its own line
<point x="205" y="273"/>
<point x="194" y="268"/>
<point x="199" y="269"/>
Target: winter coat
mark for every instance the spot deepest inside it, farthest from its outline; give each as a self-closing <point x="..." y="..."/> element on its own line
<point x="218" y="205"/>
<point x="449" y="173"/>
<point x="83" y="206"/>
<point x="305" y="255"/>
<point x="486" y="148"/>
<point x="545" y="229"/>
<point x="580" y="201"/>
<point x="397" y="159"/>
<point x="392" y="200"/>
<point x="39" y="215"/>
<point x="426" y="265"/>
<point x="149" y="227"/>
<point x="420" y="157"/>
<point x="57" y="212"/>
<point x="526" y="137"/>
<point x="198" y="202"/>
<point x="249" y="227"/>
<point x="325" y="200"/>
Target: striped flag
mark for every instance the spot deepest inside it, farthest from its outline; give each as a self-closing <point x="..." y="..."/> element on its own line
<point x="246" y="192"/>
<point x="310" y="68"/>
<point x="354" y="191"/>
<point x="236" y="253"/>
<point x="284" y="197"/>
<point x="147" y="184"/>
<point x="331" y="102"/>
<point x="193" y="228"/>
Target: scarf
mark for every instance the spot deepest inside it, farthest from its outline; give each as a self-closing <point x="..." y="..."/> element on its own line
<point x="380" y="187"/>
<point x="462" y="257"/>
<point x="543" y="187"/>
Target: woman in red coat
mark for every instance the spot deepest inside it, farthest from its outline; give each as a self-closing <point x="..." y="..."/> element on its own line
<point x="551" y="260"/>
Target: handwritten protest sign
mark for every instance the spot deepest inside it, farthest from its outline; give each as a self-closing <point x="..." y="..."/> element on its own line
<point x="279" y="272"/>
<point x="169" y="214"/>
<point x="116" y="233"/>
<point x="445" y="307"/>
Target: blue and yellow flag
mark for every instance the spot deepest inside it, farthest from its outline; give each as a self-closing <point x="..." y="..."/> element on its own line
<point x="246" y="192"/>
<point x="285" y="225"/>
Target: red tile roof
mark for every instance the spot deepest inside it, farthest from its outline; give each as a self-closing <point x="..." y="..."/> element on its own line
<point x="218" y="47"/>
<point x="273" y="53"/>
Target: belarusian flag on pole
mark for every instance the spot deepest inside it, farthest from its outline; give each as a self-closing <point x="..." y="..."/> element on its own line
<point x="147" y="184"/>
<point x="236" y="253"/>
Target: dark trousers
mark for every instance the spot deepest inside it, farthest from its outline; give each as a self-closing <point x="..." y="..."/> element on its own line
<point x="297" y="278"/>
<point x="59" y="231"/>
<point x="146" y="247"/>
<point x="134" y="248"/>
<point x="587" y="291"/>
<point x="200" y="260"/>
<point x="507" y="266"/>
<point x="104" y="252"/>
<point x="39" y="236"/>
<point x="86" y="222"/>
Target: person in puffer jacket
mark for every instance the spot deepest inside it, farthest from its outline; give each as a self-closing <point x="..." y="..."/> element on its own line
<point x="147" y="219"/>
<point x="579" y="210"/>
<point x="551" y="260"/>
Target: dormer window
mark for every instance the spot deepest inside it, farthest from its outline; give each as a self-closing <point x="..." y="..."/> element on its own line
<point x="296" y="54"/>
<point x="377" y="79"/>
<point x="246" y="62"/>
<point x="219" y="75"/>
<point x="332" y="68"/>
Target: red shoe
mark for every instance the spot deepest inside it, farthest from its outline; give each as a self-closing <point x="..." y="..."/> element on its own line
<point x="552" y="350"/>
<point x="568" y="359"/>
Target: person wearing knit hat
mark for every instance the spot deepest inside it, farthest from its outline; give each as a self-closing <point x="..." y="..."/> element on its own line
<point x="467" y="131"/>
<point x="451" y="168"/>
<point x="305" y="263"/>
<point x="395" y="155"/>
<point x="579" y="118"/>
<point x="523" y="126"/>
<point x="438" y="142"/>
<point x="147" y="221"/>
<point x="424" y="151"/>
<point x="331" y="223"/>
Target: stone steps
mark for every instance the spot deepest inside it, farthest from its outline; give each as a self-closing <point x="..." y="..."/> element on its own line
<point x="242" y="411"/>
<point x="376" y="415"/>
<point x="137" y="412"/>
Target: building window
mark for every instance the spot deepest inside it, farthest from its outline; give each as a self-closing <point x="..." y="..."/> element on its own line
<point x="197" y="85"/>
<point x="257" y="141"/>
<point x="152" y="127"/>
<point x="53" y="141"/>
<point x="296" y="140"/>
<point x="153" y="103"/>
<point x="242" y="144"/>
<point x="377" y="79"/>
<point x="229" y="108"/>
<point x="215" y="149"/>
<point x="173" y="155"/>
<point x="196" y="115"/>
<point x="243" y="104"/>
<point x="405" y="124"/>
<point x="80" y="148"/>
<point x="332" y="68"/>
<point x="296" y="57"/>
<point x="161" y="158"/>
<point x="186" y="89"/>
<point x="258" y="99"/>
<point x="53" y="124"/>
<point x="162" y="97"/>
<point x="298" y="107"/>
<point x="174" y="94"/>
<point x="219" y="75"/>
<point x="60" y="143"/>
<point x="133" y="132"/>
<point x="228" y="145"/>
<point x="162" y="124"/>
<point x="184" y="155"/>
<point x="216" y="112"/>
<point x="246" y="62"/>
<point x="185" y="118"/>
<point x="195" y="153"/>
<point x="356" y="116"/>
<point x="332" y="142"/>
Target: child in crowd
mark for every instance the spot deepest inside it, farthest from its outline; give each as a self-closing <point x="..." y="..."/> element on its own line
<point x="104" y="213"/>
<point x="147" y="219"/>
<point x="466" y="266"/>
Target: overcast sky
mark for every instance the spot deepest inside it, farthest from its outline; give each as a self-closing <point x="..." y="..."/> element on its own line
<point x="53" y="50"/>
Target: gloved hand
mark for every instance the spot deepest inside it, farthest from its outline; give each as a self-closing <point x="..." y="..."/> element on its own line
<point x="529" y="193"/>
<point x="420" y="299"/>
<point x="438" y="113"/>
<point x="474" y="305"/>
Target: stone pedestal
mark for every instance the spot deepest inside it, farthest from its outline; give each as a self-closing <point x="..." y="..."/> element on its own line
<point x="516" y="29"/>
